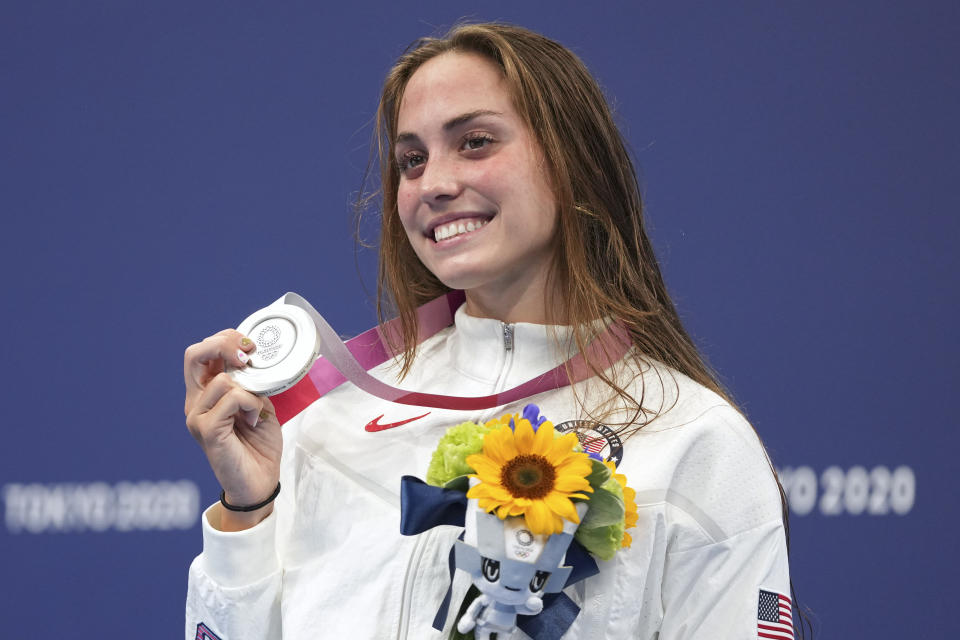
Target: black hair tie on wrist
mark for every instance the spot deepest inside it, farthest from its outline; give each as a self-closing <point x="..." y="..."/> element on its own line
<point x="253" y="507"/>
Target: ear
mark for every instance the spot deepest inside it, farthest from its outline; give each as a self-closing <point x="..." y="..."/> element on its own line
<point x="467" y="558"/>
<point x="557" y="580"/>
<point x="554" y="551"/>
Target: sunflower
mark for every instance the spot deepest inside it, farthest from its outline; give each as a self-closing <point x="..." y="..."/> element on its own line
<point x="526" y="471"/>
<point x="629" y="502"/>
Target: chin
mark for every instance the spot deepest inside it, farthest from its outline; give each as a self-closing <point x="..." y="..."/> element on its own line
<point x="459" y="276"/>
<point x="462" y="282"/>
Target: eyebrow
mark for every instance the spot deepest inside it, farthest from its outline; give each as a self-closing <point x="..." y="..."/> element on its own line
<point x="452" y="123"/>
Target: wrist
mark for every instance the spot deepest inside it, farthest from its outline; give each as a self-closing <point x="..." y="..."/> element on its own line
<point x="233" y="515"/>
<point x="228" y="521"/>
<point x="232" y="505"/>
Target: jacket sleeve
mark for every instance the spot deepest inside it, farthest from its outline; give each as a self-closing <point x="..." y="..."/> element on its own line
<point x="728" y="546"/>
<point x="235" y="584"/>
<point x="725" y="589"/>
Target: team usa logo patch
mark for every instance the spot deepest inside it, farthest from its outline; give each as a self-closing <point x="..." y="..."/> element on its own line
<point x="204" y="633"/>
<point x="774" y="616"/>
<point x="595" y="438"/>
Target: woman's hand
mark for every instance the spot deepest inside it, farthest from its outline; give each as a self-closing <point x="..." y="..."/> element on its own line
<point x="237" y="430"/>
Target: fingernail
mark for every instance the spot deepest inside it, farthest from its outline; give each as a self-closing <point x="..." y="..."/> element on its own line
<point x="263" y="414"/>
<point x="242" y="356"/>
<point x="246" y="342"/>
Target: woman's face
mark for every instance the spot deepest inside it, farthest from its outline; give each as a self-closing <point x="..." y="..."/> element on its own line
<point x="474" y="196"/>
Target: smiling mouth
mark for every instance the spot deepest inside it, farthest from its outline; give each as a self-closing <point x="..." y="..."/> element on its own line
<point x="457" y="228"/>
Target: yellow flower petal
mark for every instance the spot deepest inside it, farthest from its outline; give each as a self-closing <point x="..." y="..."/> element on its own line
<point x="557" y="524"/>
<point x="508" y="442"/>
<point x="539" y="518"/>
<point x="562" y="506"/>
<point x="580" y="467"/>
<point x="489" y="491"/>
<point x="563" y="447"/>
<point x="523" y="435"/>
<point x="569" y="483"/>
<point x="630" y="502"/>
<point x="542" y="440"/>
<point x="494" y="446"/>
<point x="483" y="465"/>
<point x="516" y="510"/>
<point x="486" y="504"/>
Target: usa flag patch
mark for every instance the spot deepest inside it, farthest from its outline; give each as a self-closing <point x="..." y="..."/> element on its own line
<point x="204" y="633"/>
<point x="774" y="616"/>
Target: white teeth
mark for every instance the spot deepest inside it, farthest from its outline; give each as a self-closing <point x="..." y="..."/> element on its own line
<point x="443" y="232"/>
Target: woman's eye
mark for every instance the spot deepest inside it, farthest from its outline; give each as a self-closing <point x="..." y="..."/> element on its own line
<point x="410" y="161"/>
<point x="476" y="141"/>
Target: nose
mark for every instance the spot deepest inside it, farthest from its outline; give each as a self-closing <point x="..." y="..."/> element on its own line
<point x="440" y="181"/>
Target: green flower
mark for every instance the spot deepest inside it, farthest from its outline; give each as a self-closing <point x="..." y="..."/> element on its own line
<point x="449" y="458"/>
<point x="602" y="530"/>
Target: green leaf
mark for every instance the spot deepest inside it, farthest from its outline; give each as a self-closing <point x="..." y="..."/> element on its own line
<point x="460" y="483"/>
<point x="601" y="532"/>
<point x="599" y="475"/>
<point x="606" y="508"/>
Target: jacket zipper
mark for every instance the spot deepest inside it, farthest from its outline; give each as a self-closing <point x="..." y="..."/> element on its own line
<point x="507" y="336"/>
<point x="508" y="345"/>
<point x="413" y="564"/>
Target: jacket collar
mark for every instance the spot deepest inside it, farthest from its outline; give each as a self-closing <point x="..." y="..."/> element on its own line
<point x="480" y="349"/>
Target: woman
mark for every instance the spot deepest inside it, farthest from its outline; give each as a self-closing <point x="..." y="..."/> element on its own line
<point x="504" y="176"/>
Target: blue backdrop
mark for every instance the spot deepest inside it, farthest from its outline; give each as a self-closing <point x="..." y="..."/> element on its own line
<point x="167" y="168"/>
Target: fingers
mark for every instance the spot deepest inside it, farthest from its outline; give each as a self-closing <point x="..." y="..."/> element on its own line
<point x="229" y="346"/>
<point x="218" y="404"/>
<point x="267" y="411"/>
<point x="205" y="359"/>
<point x="224" y="397"/>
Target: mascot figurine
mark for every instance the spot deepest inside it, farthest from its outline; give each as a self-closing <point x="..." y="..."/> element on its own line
<point x="511" y="566"/>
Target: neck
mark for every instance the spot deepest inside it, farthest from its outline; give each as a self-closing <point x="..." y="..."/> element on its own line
<point x="515" y="302"/>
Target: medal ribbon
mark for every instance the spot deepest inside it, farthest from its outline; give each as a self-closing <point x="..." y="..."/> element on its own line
<point x="341" y="362"/>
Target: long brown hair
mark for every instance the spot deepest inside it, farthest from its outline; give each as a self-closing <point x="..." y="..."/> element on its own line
<point x="603" y="264"/>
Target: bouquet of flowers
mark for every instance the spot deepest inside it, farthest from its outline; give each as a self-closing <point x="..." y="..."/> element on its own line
<point x="530" y="491"/>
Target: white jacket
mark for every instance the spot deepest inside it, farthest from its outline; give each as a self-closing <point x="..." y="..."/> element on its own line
<point x="330" y="561"/>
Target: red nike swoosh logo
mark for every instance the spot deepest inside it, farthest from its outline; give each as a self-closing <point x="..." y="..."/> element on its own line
<point x="374" y="425"/>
